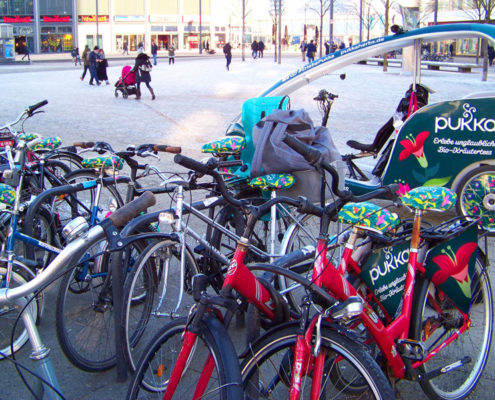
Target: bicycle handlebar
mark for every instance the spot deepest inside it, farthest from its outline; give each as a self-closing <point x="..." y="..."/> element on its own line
<point x="208" y="169"/>
<point x="84" y="145"/>
<point x="34" y="107"/>
<point x="166" y="148"/>
<point x="132" y="209"/>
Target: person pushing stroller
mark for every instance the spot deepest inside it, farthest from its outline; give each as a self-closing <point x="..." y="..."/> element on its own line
<point x="142" y="68"/>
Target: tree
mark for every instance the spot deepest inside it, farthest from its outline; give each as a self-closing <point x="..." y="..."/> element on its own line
<point x="482" y="10"/>
<point x="367" y="14"/>
<point x="276" y="10"/>
<point x="241" y="10"/>
<point x="321" y="10"/>
<point x="387" y="6"/>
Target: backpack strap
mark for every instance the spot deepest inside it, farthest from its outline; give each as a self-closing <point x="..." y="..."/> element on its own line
<point x="269" y="128"/>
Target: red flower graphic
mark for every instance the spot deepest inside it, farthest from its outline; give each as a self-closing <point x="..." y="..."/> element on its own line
<point x="415" y="147"/>
<point x="455" y="266"/>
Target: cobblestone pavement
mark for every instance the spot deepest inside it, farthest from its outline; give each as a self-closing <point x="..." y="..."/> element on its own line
<point x="196" y="100"/>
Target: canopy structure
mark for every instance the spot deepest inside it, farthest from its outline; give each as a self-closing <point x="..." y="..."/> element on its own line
<point x="374" y="47"/>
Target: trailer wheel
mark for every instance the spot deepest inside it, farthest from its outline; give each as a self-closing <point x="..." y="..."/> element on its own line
<point x="476" y="196"/>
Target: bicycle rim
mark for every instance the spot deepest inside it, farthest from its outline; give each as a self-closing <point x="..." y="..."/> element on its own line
<point x="432" y="328"/>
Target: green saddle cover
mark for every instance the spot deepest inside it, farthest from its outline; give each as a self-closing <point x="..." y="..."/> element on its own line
<point x="367" y="215"/>
<point x="7" y="194"/>
<point x="430" y="198"/>
<point x="113" y="162"/>
<point x="49" y="143"/>
<point x="273" y="181"/>
<point x="225" y="145"/>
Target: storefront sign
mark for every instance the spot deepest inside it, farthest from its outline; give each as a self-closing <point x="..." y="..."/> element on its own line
<point x="92" y="18"/>
<point x="161" y="18"/>
<point x="129" y="18"/>
<point x="56" y="18"/>
<point x="16" y="19"/>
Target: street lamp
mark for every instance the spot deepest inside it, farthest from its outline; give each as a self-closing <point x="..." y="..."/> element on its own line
<point x="97" y="28"/>
<point x="200" y="31"/>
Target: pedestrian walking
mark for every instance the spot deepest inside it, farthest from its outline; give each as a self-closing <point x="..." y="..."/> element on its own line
<point x="491" y="54"/>
<point x="75" y="56"/>
<point x="327" y="48"/>
<point x="310" y="51"/>
<point x="94" y="59"/>
<point x="254" y="49"/>
<point x="207" y="47"/>
<point x="125" y="49"/>
<point x="227" y="50"/>
<point x="154" y="51"/>
<point x="142" y="68"/>
<point x="102" y="67"/>
<point x="140" y="48"/>
<point x="85" y="59"/>
<point x="26" y="52"/>
<point x="303" y="49"/>
<point x="261" y="47"/>
<point x="171" y="55"/>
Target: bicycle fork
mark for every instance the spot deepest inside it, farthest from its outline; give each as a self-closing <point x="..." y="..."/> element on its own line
<point x="49" y="387"/>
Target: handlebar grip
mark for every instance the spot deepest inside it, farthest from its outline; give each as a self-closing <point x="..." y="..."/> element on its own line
<point x="192" y="164"/>
<point x="306" y="207"/>
<point x="124" y="214"/>
<point x="167" y="149"/>
<point x="34" y="107"/>
<point x="84" y="145"/>
<point x="309" y="153"/>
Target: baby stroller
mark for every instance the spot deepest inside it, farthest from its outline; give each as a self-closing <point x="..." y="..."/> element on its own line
<point x="126" y="83"/>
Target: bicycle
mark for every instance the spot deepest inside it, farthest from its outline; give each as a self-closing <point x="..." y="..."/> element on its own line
<point x="156" y="377"/>
<point x="22" y="294"/>
<point x="416" y="330"/>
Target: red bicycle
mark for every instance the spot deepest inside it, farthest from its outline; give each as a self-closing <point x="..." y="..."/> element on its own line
<point x="427" y="300"/>
<point x="196" y="356"/>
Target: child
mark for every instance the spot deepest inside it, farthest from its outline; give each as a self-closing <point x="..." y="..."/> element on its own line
<point x="171" y="55"/>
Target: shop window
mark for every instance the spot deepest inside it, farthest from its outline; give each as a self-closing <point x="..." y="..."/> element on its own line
<point x="48" y="29"/>
<point x="170" y="28"/>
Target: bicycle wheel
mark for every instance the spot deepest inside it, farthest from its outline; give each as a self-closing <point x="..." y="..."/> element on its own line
<point x="85" y="313"/>
<point x="10" y="312"/>
<point x="266" y="372"/>
<point x="152" y="293"/>
<point x="435" y="319"/>
<point x="476" y="194"/>
<point x="304" y="233"/>
<point x="153" y="371"/>
<point x="80" y="203"/>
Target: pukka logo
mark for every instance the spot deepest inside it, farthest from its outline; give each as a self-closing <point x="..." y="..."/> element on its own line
<point x="391" y="263"/>
<point x="467" y="123"/>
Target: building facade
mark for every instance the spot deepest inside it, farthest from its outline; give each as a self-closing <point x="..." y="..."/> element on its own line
<point x="45" y="26"/>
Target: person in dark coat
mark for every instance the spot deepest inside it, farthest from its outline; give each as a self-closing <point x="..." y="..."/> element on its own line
<point x="25" y="51"/>
<point x="254" y="49"/>
<point x="261" y="47"/>
<point x="85" y="58"/>
<point x="94" y="59"/>
<point x="310" y="51"/>
<point x="154" y="51"/>
<point x="102" y="67"/>
<point x="491" y="55"/>
<point x="227" y="50"/>
<point x="142" y="68"/>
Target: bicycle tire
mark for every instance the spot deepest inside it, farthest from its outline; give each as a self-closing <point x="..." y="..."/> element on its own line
<point x="305" y="233"/>
<point x="9" y="314"/>
<point x="84" y="315"/>
<point x="79" y="203"/>
<point x="474" y="342"/>
<point x="269" y="362"/>
<point x="156" y="270"/>
<point x="151" y="377"/>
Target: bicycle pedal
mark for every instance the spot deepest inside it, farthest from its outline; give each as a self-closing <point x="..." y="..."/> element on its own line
<point x="411" y="349"/>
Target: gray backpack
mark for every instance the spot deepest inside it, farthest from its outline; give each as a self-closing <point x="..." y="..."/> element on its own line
<point x="272" y="155"/>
